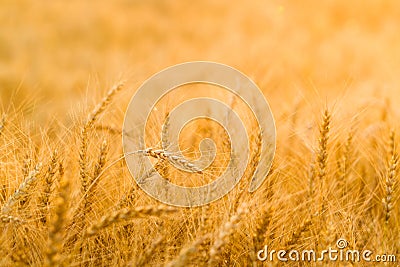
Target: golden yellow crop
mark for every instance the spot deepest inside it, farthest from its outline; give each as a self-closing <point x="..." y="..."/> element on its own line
<point x="329" y="70"/>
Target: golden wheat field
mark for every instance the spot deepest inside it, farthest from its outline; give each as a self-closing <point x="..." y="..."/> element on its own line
<point x="330" y="71"/>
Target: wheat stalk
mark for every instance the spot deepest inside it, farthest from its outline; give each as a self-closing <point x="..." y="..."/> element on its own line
<point x="84" y="133"/>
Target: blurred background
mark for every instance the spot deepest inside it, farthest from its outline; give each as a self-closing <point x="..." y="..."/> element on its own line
<point x="56" y="55"/>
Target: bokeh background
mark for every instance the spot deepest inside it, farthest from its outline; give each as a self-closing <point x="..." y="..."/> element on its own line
<point x="55" y="55"/>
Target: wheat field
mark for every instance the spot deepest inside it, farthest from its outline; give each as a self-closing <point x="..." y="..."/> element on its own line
<point x="329" y="70"/>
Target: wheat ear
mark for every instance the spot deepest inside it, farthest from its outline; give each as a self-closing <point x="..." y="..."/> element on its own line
<point x="344" y="164"/>
<point x="55" y="241"/>
<point x="262" y="227"/>
<point x="224" y="233"/>
<point x="186" y="252"/>
<point x="49" y="180"/>
<point x="165" y="130"/>
<point x="21" y="194"/>
<point x="26" y="165"/>
<point x="124" y="215"/>
<point x="387" y="201"/>
<point x="304" y="227"/>
<point x="311" y="179"/>
<point x="101" y="160"/>
<point x="9" y="219"/>
<point x="322" y="155"/>
<point x="145" y="258"/>
<point x="2" y="123"/>
<point x="166" y="155"/>
<point x="254" y="161"/>
<point x="93" y="116"/>
<point x="94" y="181"/>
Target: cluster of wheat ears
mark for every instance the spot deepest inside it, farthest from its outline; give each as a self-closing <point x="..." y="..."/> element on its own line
<point x="70" y="201"/>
